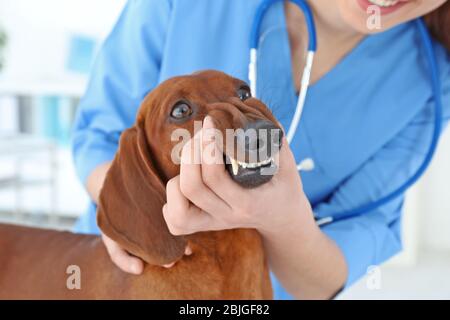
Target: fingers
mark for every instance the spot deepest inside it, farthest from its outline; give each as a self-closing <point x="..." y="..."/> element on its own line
<point x="182" y="217"/>
<point x="213" y="169"/>
<point x="191" y="181"/>
<point x="187" y="252"/>
<point x="168" y="266"/>
<point x="203" y="197"/>
<point x="121" y="258"/>
<point x="127" y="262"/>
<point x="176" y="201"/>
<point x="286" y="160"/>
<point x="287" y="173"/>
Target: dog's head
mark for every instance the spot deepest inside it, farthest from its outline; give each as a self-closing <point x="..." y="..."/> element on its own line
<point x="133" y="194"/>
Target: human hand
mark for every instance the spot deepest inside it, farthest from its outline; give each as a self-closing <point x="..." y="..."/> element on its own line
<point x="125" y="261"/>
<point x="205" y="198"/>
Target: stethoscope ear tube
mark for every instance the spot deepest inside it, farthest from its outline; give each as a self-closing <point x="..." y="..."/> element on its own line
<point x="306" y="164"/>
<point x="261" y="11"/>
<point x="252" y="75"/>
<point x="312" y="48"/>
<point x="306" y="78"/>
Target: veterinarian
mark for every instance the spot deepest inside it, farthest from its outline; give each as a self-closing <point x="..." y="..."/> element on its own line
<point x="367" y="123"/>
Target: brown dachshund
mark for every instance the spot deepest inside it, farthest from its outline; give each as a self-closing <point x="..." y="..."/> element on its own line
<point x="36" y="264"/>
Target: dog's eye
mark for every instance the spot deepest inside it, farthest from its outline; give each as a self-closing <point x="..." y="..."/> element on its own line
<point x="181" y="111"/>
<point x="244" y="93"/>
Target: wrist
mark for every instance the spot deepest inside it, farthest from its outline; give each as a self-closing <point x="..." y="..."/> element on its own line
<point x="297" y="222"/>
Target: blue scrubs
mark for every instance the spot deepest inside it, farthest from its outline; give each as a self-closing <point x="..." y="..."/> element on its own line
<point x="367" y="123"/>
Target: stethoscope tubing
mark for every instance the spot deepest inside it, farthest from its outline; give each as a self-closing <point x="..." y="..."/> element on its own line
<point x="312" y="48"/>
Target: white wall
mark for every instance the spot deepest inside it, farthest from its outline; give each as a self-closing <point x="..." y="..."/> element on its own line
<point x="435" y="200"/>
<point x="38" y="31"/>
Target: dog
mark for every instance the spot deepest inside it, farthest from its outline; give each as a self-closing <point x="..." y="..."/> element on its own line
<point x="230" y="264"/>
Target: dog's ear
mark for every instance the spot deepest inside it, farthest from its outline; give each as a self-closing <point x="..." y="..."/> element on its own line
<point x="131" y="201"/>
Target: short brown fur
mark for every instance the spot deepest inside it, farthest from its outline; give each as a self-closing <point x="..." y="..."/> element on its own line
<point x="224" y="265"/>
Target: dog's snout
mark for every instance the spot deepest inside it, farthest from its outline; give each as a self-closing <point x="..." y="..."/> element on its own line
<point x="263" y="138"/>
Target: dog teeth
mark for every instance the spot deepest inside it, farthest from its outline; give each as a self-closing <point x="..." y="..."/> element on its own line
<point x="236" y="164"/>
<point x="255" y="165"/>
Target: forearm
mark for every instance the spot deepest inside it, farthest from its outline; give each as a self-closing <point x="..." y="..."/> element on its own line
<point x="95" y="181"/>
<point x="308" y="264"/>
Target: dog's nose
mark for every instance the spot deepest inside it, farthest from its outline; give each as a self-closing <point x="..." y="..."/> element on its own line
<point x="262" y="139"/>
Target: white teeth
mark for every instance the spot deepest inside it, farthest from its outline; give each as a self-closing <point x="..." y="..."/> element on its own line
<point x="384" y="3"/>
<point x="255" y="165"/>
<point x="234" y="166"/>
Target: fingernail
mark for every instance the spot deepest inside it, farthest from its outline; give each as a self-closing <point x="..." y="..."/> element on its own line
<point x="188" y="251"/>
<point x="135" y="268"/>
<point x="168" y="266"/>
<point x="208" y="122"/>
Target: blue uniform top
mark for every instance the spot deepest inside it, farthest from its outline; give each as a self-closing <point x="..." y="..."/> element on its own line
<point x="367" y="123"/>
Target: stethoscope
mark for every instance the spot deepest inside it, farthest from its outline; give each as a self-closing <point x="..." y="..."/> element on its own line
<point x="308" y="164"/>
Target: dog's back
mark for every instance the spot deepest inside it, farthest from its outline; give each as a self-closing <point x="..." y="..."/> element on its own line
<point x="34" y="262"/>
<point x="43" y="264"/>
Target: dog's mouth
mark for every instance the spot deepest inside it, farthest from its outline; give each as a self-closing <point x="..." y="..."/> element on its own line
<point x="259" y="144"/>
<point x="250" y="154"/>
<point x="251" y="174"/>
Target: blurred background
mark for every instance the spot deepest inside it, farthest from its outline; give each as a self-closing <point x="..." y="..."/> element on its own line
<point x="46" y="51"/>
